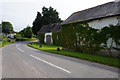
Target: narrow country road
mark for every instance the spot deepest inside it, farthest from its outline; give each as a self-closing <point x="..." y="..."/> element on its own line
<point x="21" y="61"/>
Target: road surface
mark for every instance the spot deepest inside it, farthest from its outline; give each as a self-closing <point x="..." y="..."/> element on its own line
<point x="21" y="61"/>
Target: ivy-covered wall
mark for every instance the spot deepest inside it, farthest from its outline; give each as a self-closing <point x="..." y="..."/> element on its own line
<point x="81" y="37"/>
<point x="57" y="38"/>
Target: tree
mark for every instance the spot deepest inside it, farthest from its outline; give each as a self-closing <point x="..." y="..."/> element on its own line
<point x="18" y="37"/>
<point x="7" y="27"/>
<point x="37" y="23"/>
<point x="0" y="28"/>
<point x="48" y="16"/>
<point x="28" y="32"/>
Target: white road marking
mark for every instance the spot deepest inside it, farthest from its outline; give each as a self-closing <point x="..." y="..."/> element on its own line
<point x="19" y="48"/>
<point x="50" y="64"/>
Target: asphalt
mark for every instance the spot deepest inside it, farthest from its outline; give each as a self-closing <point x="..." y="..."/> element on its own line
<point x="21" y="61"/>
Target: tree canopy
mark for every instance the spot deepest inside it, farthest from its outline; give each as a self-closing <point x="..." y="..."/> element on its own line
<point x="7" y="27"/>
<point x="26" y="32"/>
<point x="48" y="16"/>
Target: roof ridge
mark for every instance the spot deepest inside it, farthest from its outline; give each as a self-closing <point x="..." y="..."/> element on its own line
<point x="93" y="7"/>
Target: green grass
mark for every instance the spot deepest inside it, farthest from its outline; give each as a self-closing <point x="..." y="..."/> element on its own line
<point x="3" y="43"/>
<point x="27" y="39"/>
<point x="94" y="58"/>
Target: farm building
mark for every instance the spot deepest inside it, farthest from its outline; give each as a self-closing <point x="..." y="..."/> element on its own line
<point x="47" y="31"/>
<point x="99" y="16"/>
<point x="93" y="29"/>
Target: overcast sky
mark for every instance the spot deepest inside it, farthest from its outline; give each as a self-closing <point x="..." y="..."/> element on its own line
<point x="23" y="12"/>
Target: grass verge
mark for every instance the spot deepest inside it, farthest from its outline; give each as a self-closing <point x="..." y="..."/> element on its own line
<point x="94" y="58"/>
<point x="3" y="43"/>
<point x="25" y="39"/>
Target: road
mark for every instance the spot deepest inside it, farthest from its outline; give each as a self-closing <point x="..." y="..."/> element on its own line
<point x="21" y="61"/>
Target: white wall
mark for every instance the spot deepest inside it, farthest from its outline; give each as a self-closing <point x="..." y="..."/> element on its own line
<point x="100" y="23"/>
<point x="46" y="35"/>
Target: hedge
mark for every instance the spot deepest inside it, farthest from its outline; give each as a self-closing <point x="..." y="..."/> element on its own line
<point x="41" y="37"/>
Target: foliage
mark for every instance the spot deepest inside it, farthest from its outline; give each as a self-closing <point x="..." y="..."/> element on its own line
<point x="37" y="23"/>
<point x="48" y="16"/>
<point x="81" y="37"/>
<point x="41" y="38"/>
<point x="7" y="27"/>
<point x="26" y="32"/>
<point x="4" y="41"/>
<point x="94" y="58"/>
<point x="56" y="36"/>
<point x="18" y="37"/>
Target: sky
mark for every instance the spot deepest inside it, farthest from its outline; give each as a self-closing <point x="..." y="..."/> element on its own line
<point x="23" y="12"/>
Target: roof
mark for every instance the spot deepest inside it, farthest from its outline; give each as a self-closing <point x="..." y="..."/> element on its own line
<point x="50" y="28"/>
<point x="101" y="11"/>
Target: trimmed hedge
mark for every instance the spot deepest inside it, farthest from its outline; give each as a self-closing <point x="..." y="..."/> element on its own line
<point x="41" y="37"/>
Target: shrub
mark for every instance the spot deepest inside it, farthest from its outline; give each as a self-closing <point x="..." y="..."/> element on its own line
<point x="41" y="37"/>
<point x="18" y="37"/>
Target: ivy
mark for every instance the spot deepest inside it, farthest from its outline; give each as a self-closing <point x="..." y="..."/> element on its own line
<point x="56" y="36"/>
<point x="41" y="37"/>
<point x="81" y="37"/>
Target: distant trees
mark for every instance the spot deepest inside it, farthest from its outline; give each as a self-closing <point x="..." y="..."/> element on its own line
<point x="48" y="16"/>
<point x="18" y="37"/>
<point x="7" y="27"/>
<point x="26" y="32"/>
<point x="0" y="28"/>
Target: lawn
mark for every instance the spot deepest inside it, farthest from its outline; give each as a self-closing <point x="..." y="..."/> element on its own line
<point x="3" y="43"/>
<point x="85" y="56"/>
<point x="26" y="39"/>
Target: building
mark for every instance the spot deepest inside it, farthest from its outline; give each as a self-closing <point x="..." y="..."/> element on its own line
<point x="99" y="16"/>
<point x="48" y="30"/>
<point x="96" y="18"/>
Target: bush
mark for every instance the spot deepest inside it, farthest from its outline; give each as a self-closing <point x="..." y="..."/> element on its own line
<point x="41" y="37"/>
<point x="18" y="37"/>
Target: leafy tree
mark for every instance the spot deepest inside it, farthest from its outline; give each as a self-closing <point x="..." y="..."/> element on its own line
<point x="48" y="16"/>
<point x="37" y="23"/>
<point x="0" y="28"/>
<point x="7" y="27"/>
<point x="22" y="32"/>
<point x="18" y="37"/>
<point x="28" y="32"/>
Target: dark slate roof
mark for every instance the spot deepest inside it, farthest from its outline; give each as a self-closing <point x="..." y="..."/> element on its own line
<point x="101" y="11"/>
<point x="50" y="28"/>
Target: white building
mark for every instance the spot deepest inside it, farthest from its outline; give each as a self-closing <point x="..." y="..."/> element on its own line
<point x="99" y="16"/>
